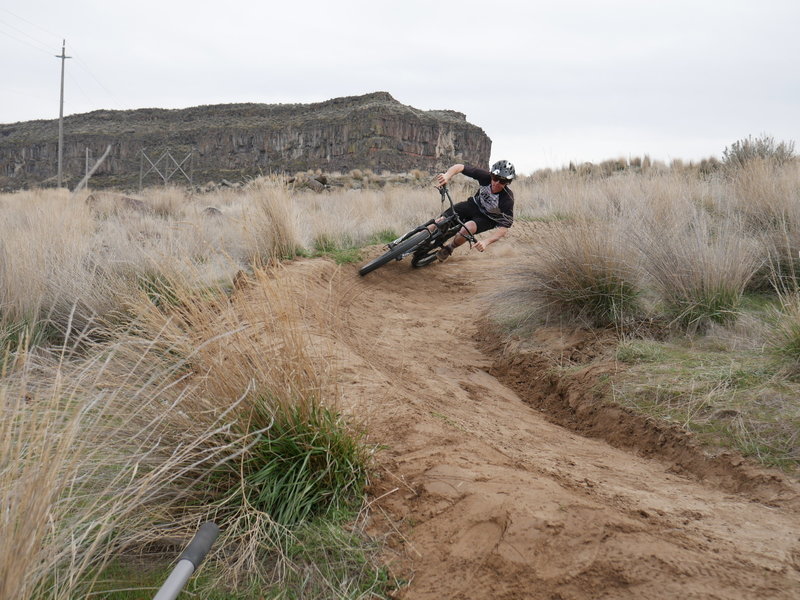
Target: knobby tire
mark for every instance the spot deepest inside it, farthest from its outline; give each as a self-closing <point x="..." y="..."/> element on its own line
<point x="424" y="261"/>
<point x="402" y="248"/>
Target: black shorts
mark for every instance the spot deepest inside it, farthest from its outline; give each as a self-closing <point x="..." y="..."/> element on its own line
<point x="469" y="211"/>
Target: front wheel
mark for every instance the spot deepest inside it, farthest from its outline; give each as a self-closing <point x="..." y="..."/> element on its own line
<point x="397" y="251"/>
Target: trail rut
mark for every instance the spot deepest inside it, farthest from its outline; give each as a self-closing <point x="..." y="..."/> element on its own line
<point x="487" y="492"/>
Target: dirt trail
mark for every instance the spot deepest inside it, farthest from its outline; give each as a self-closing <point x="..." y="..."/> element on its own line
<point x="484" y="496"/>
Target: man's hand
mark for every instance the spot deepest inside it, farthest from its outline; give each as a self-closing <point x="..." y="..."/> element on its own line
<point x="497" y="234"/>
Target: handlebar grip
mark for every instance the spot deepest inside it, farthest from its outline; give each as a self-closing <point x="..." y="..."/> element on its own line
<point x="197" y="549"/>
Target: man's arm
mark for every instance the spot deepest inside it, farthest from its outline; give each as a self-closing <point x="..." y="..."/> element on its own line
<point x="444" y="178"/>
<point x="497" y="233"/>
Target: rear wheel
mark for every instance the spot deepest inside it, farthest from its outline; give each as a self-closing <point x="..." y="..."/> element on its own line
<point x="398" y="251"/>
<point x="423" y="260"/>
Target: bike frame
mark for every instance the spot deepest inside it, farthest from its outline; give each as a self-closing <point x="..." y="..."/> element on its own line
<point x="422" y="241"/>
<point x="443" y="228"/>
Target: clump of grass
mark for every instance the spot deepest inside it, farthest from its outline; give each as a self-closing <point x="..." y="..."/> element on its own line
<point x="767" y="197"/>
<point x="341" y="250"/>
<point x="582" y="273"/>
<point x="88" y="466"/>
<point x="766" y="194"/>
<point x="785" y="341"/>
<point x="699" y="271"/>
<point x="274" y="228"/>
<point x="307" y="465"/>
<point x="639" y="351"/>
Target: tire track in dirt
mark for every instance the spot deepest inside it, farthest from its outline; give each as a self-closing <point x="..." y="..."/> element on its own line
<point x="483" y="497"/>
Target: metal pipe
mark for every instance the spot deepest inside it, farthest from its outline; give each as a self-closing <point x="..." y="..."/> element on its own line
<point x="188" y="562"/>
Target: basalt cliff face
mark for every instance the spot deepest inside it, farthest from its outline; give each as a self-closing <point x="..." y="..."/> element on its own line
<point x="238" y="141"/>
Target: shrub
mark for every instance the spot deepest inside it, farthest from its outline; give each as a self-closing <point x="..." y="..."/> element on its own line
<point x="764" y="147"/>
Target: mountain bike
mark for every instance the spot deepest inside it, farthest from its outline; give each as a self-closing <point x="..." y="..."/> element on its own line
<point x="422" y="242"/>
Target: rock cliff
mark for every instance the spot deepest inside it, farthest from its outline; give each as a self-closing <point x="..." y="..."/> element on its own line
<point x="236" y="141"/>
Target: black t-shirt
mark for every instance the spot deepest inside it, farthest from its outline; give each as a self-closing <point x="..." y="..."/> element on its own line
<point x="498" y="207"/>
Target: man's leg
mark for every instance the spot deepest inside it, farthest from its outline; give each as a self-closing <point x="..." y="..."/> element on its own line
<point x="459" y="238"/>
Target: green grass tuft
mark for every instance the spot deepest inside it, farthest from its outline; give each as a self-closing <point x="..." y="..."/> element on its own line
<point x="306" y="466"/>
<point x="158" y="288"/>
<point x="639" y="351"/>
<point x="699" y="307"/>
<point x="340" y="251"/>
<point x="601" y="298"/>
<point x="384" y="236"/>
<point x="26" y="334"/>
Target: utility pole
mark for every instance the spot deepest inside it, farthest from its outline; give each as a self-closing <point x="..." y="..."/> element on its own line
<point x="63" y="58"/>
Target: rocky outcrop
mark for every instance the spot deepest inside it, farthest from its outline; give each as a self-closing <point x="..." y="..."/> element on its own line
<point x="238" y="141"/>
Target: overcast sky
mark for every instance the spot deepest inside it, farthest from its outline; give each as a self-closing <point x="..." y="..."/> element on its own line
<point x="549" y="82"/>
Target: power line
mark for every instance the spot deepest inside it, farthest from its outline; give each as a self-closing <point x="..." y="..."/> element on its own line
<point x="78" y="61"/>
<point x="73" y="81"/>
<point x="85" y="67"/>
<point x="26" y="42"/>
<point x="39" y="27"/>
<point x="13" y="32"/>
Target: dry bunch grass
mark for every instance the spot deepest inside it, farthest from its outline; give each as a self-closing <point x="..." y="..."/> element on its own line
<point x="106" y="450"/>
<point x="700" y="269"/>
<point x="582" y="272"/>
<point x="74" y="260"/>
<point x="701" y="240"/>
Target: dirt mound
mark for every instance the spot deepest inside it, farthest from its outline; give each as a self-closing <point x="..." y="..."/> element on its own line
<point x="499" y="480"/>
<point x="580" y="402"/>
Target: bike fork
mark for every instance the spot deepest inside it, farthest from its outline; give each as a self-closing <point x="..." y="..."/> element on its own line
<point x="424" y="227"/>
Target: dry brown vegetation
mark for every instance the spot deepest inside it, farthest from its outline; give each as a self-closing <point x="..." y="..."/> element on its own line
<point x="130" y="373"/>
<point x="697" y="273"/>
<point x="137" y="394"/>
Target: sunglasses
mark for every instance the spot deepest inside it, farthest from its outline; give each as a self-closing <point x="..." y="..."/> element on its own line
<point x="501" y="180"/>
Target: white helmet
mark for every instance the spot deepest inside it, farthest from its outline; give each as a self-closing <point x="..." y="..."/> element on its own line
<point x="503" y="170"/>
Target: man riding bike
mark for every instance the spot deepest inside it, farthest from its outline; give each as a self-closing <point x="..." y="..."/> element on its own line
<point x="491" y="207"/>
